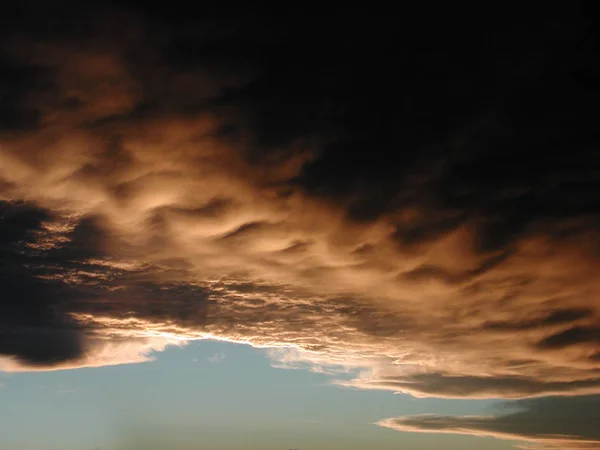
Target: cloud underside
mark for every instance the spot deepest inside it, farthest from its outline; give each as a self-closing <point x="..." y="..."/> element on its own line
<point x="488" y="427"/>
<point x="162" y="185"/>
<point x="550" y="423"/>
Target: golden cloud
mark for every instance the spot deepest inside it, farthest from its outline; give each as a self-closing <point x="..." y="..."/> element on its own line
<point x="159" y="229"/>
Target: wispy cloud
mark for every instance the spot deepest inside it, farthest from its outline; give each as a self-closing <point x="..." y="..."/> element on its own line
<point x="552" y="423"/>
<point x="216" y="358"/>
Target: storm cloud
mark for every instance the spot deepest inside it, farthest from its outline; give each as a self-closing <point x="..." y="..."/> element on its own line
<point x="357" y="195"/>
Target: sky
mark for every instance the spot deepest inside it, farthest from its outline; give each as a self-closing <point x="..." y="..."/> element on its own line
<point x="226" y="229"/>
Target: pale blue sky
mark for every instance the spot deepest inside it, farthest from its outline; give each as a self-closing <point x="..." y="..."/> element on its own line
<point x="184" y="401"/>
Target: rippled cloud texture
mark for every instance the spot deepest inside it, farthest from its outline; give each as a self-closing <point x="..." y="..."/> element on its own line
<point x="420" y="209"/>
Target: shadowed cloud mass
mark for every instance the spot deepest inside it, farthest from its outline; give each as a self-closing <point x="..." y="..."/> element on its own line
<point x="419" y="210"/>
<point x="549" y="423"/>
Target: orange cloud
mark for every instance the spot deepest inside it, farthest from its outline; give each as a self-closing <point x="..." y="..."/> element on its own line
<point x="158" y="226"/>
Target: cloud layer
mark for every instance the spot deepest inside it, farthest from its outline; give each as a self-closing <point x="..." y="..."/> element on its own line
<point x="428" y="221"/>
<point x="550" y="423"/>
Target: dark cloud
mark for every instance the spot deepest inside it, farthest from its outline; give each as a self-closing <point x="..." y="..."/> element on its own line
<point x="447" y="386"/>
<point x="32" y="329"/>
<point x="447" y="123"/>
<point x="15" y="81"/>
<point x="553" y="318"/>
<point x="416" y="197"/>
<point x="572" y="336"/>
<point x="546" y="423"/>
<point x="45" y="280"/>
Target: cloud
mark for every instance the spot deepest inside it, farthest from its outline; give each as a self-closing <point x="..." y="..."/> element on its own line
<point x="549" y="423"/>
<point x="439" y="385"/>
<point x="217" y="357"/>
<point x="429" y="227"/>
